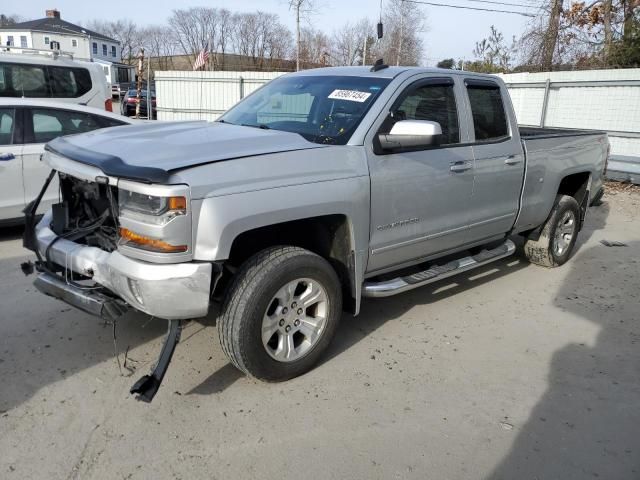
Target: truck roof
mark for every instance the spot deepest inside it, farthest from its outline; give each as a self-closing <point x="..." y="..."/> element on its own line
<point x="389" y="72"/>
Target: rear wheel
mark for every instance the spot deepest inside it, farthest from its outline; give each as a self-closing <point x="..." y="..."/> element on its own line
<point x="558" y="236"/>
<point x="280" y="313"/>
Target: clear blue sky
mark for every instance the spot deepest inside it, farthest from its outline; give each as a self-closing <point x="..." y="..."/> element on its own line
<point x="451" y="32"/>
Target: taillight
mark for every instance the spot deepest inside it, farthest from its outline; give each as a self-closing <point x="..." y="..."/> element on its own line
<point x="108" y="105"/>
<point x="131" y="100"/>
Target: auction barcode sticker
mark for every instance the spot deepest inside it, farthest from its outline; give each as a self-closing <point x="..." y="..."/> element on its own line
<point x="351" y="95"/>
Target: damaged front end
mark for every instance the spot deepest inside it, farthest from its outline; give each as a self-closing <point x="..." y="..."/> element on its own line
<point x="105" y="254"/>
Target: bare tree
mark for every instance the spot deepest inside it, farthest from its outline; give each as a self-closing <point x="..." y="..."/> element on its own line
<point x="402" y="44"/>
<point x="315" y="46"/>
<point x="302" y="9"/>
<point x="195" y="29"/>
<point x="350" y="41"/>
<point x="8" y="20"/>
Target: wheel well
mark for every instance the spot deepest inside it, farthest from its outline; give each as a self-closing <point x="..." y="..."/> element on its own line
<point x="328" y="236"/>
<point x="574" y="185"/>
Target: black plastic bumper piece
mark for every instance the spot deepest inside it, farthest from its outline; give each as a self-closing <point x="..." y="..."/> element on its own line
<point x="89" y="301"/>
<point x="147" y="386"/>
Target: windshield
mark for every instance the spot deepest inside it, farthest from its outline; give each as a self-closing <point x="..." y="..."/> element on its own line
<point x="323" y="109"/>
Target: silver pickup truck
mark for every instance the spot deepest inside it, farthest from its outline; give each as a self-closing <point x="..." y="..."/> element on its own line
<point x="320" y="188"/>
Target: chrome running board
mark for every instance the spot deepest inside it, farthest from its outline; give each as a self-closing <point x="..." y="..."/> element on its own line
<point x="437" y="272"/>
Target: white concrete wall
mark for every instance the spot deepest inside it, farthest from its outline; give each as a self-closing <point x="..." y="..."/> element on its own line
<point x="203" y="95"/>
<point x="615" y="108"/>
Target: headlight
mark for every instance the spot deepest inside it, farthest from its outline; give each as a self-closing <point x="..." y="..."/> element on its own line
<point x="154" y="218"/>
<point x="149" y="208"/>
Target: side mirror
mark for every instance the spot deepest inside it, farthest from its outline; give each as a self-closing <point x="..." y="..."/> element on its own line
<point x="411" y="134"/>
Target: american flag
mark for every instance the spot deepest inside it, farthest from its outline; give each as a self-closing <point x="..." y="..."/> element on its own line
<point x="202" y="58"/>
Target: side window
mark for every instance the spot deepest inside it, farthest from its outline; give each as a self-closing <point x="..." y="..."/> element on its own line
<point x="113" y="51"/>
<point x="27" y="81"/>
<point x="23" y="41"/>
<point x="95" y="48"/>
<point x="69" y="82"/>
<point x="436" y="103"/>
<point x="9" y="40"/>
<point x="50" y="123"/>
<point x="487" y="110"/>
<point x="7" y="116"/>
<point x="104" y="50"/>
<point x="74" y="42"/>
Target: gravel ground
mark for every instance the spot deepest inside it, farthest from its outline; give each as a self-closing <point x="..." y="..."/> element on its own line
<point x="508" y="372"/>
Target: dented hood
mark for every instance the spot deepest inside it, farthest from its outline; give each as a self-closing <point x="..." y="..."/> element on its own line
<point x="150" y="152"/>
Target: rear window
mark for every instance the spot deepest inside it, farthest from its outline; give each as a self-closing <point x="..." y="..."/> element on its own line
<point x="38" y="81"/>
<point x="69" y="82"/>
<point x="487" y="109"/>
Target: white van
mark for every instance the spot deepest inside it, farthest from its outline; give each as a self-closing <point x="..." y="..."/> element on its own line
<point x="52" y="75"/>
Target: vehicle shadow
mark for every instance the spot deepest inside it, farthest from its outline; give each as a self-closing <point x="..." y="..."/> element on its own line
<point x="586" y="423"/>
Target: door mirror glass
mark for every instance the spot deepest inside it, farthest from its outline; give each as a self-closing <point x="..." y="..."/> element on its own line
<point x="411" y="134"/>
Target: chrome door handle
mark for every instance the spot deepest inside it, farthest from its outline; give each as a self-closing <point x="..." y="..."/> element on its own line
<point x="460" y="166"/>
<point x="512" y="160"/>
<point x="5" y="157"/>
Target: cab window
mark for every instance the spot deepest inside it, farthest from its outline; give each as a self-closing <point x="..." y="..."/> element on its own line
<point x="487" y="110"/>
<point x="435" y="103"/>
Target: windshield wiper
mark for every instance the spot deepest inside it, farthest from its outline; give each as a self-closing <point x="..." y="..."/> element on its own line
<point x="260" y="125"/>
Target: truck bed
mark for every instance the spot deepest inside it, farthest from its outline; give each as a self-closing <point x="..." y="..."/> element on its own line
<point x="552" y="154"/>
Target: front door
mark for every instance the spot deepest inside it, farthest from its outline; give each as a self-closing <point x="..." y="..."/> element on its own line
<point x="11" y="186"/>
<point x="420" y="199"/>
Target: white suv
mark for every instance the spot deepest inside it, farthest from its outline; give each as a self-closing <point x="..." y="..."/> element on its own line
<point x="53" y="76"/>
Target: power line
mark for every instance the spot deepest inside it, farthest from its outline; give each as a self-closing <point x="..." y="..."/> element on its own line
<point x="470" y="8"/>
<point x="504" y="3"/>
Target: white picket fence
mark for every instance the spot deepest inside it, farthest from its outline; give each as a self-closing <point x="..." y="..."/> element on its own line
<point x="203" y="95"/>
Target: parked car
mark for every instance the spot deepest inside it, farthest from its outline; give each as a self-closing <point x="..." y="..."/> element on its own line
<point x="25" y="127"/>
<point x="129" y="102"/>
<point x="323" y="187"/>
<point x="52" y="75"/>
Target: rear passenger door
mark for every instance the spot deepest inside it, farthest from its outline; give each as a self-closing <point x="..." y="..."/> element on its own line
<point x="11" y="188"/>
<point x="498" y="160"/>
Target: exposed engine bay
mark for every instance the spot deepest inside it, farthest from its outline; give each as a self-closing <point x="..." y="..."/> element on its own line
<point x="87" y="213"/>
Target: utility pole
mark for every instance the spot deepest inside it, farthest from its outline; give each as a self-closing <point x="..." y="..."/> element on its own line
<point x="139" y="85"/>
<point x="297" y="7"/>
<point x="399" y="53"/>
<point x="364" y="50"/>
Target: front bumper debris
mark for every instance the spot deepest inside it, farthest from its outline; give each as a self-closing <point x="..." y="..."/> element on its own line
<point x="170" y="291"/>
<point x="89" y="301"/>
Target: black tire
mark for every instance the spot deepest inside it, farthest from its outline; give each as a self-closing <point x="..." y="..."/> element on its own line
<point x="251" y="294"/>
<point x="543" y="251"/>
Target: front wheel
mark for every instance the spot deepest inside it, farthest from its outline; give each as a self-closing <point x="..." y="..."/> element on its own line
<point x="280" y="313"/>
<point x="558" y="236"/>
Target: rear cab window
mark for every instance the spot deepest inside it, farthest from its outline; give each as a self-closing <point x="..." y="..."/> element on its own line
<point x="487" y="110"/>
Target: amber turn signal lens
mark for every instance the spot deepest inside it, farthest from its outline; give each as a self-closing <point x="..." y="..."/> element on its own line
<point x="147" y="243"/>
<point x="177" y="203"/>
